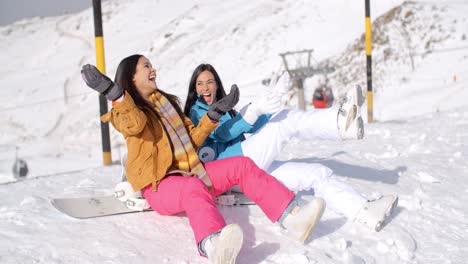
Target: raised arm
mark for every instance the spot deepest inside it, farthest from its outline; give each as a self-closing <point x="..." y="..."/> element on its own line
<point x="126" y="117"/>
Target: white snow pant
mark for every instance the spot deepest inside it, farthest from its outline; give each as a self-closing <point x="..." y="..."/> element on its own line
<point x="302" y="176"/>
<point x="266" y="144"/>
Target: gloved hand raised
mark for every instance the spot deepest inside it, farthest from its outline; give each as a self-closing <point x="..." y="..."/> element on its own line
<point x="219" y="108"/>
<point x="100" y="82"/>
<point x="281" y="87"/>
<point x="266" y="105"/>
<point x="269" y="104"/>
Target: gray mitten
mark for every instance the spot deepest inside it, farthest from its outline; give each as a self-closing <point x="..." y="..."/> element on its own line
<point x="219" y="108"/>
<point x="100" y="82"/>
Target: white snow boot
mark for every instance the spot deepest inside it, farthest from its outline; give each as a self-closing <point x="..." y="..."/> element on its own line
<point x="353" y="130"/>
<point x="356" y="95"/>
<point x="301" y="221"/>
<point x="374" y="213"/>
<point x="224" y="247"/>
<point x="350" y="123"/>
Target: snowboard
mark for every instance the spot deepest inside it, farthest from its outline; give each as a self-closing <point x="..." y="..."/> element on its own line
<point x="90" y="207"/>
<point x="99" y="206"/>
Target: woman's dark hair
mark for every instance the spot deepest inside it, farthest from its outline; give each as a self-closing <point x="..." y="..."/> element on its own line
<point x="192" y="90"/>
<point x="124" y="78"/>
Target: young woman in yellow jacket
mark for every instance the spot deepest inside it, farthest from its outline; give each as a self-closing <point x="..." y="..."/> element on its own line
<point x="163" y="164"/>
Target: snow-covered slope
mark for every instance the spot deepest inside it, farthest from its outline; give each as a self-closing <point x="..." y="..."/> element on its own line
<point x="420" y="60"/>
<point x="46" y="110"/>
<point x="423" y="160"/>
<point x="241" y="38"/>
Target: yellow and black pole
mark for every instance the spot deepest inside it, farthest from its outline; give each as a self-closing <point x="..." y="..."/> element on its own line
<point x="99" y="42"/>
<point x="370" y="115"/>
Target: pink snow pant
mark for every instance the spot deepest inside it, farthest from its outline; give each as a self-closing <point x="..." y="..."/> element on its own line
<point x="176" y="194"/>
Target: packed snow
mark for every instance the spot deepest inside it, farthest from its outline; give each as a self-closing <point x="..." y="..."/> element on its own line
<point x="417" y="149"/>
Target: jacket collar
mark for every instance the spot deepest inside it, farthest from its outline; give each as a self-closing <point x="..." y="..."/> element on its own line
<point x="201" y="103"/>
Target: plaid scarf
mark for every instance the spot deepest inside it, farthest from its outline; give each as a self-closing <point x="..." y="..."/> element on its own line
<point x="185" y="157"/>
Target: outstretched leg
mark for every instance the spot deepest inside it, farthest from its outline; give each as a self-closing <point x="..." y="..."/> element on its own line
<point x="333" y="123"/>
<point x="301" y="176"/>
<point x="177" y="194"/>
<point x="266" y="191"/>
<point x="339" y="196"/>
<point x="276" y="201"/>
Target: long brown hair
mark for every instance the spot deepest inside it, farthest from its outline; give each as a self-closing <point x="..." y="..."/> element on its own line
<point x="192" y="96"/>
<point x="124" y="78"/>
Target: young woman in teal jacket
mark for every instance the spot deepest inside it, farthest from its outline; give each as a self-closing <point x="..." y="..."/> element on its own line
<point x="271" y="128"/>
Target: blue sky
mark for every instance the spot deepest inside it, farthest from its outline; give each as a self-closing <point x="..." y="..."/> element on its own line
<point x="13" y="10"/>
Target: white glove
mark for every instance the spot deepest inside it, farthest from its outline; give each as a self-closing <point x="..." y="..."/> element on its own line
<point x="266" y="105"/>
<point x="281" y="87"/>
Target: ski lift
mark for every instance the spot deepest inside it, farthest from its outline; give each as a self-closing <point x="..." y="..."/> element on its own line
<point x="20" y="168"/>
<point x="11" y="163"/>
<point x="323" y="97"/>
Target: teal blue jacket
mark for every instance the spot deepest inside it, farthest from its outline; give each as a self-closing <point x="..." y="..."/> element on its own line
<point x="225" y="140"/>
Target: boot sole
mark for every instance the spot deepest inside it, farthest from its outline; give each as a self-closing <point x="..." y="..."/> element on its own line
<point x="359" y="97"/>
<point x="380" y="224"/>
<point x="314" y="220"/>
<point x="229" y="244"/>
<point x="360" y="134"/>
<point x="351" y="116"/>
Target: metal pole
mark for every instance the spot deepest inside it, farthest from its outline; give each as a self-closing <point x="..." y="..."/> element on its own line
<point x="370" y="114"/>
<point x="300" y="93"/>
<point x="100" y="63"/>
